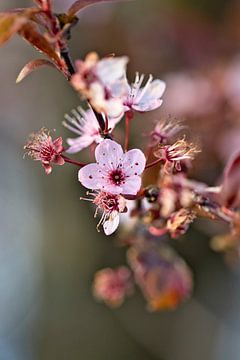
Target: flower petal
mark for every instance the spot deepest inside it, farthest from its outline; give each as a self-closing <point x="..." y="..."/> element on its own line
<point x="79" y="143"/>
<point x="111" y="224"/>
<point x="89" y="177"/>
<point x="111" y="69"/>
<point x="132" y="185"/>
<point x="109" y="154"/>
<point x="150" y="100"/>
<point x="134" y="162"/>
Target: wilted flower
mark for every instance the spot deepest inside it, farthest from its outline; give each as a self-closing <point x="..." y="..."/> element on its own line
<point x="115" y="172"/>
<point x="100" y="80"/>
<point x="164" y="131"/>
<point x="178" y="223"/>
<point x="85" y="125"/>
<point x="41" y="147"/>
<point x="146" y="98"/>
<point x="110" y="205"/>
<point x="164" y="278"/>
<point x="112" y="286"/>
<point x="173" y="155"/>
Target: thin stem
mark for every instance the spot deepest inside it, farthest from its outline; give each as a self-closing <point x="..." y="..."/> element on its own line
<point x="153" y="163"/>
<point x="128" y="118"/>
<point x="66" y="56"/>
<point x="71" y="161"/>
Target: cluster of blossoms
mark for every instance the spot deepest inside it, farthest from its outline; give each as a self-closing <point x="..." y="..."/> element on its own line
<point x="118" y="181"/>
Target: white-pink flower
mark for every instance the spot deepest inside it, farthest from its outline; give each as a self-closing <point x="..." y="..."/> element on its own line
<point x="146" y="98"/>
<point x="102" y="82"/>
<point x="115" y="172"/>
<point x="85" y="125"/>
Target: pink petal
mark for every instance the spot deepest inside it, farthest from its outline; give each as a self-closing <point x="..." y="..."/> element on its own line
<point x="132" y="185"/>
<point x="134" y="162"/>
<point x="147" y="106"/>
<point x="89" y="177"/>
<point x="111" y="69"/>
<point x="47" y="168"/>
<point x="58" y="144"/>
<point x="108" y="154"/>
<point x="111" y="225"/>
<point x="79" y="143"/>
<point x="59" y="160"/>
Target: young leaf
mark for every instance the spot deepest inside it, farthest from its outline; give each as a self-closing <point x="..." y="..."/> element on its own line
<point x="81" y="4"/>
<point x="32" y="66"/>
<point x="10" y="24"/>
<point x="31" y="33"/>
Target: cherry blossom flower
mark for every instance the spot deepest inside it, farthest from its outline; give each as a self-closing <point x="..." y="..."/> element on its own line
<point x="85" y="125"/>
<point x="98" y="80"/>
<point x="173" y="155"/>
<point x="146" y="98"/>
<point x="112" y="286"/>
<point x="115" y="172"/>
<point x="41" y="147"/>
<point x="110" y="205"/>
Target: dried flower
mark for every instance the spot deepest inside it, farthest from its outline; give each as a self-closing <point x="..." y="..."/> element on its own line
<point x="85" y="125"/>
<point x="173" y="155"/>
<point x="41" y="147"/>
<point x="178" y="223"/>
<point x="164" y="131"/>
<point x="115" y="172"/>
<point x="164" y="277"/>
<point x="112" y="286"/>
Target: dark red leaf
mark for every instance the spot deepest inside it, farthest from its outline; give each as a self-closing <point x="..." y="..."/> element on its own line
<point x="81" y="4"/>
<point x="32" y="66"/>
<point x="10" y="24"/>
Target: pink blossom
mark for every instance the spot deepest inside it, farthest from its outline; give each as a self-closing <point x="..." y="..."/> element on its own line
<point x="110" y="205"/>
<point x="146" y="98"/>
<point x="101" y="82"/>
<point x="115" y="172"/>
<point x="112" y="286"/>
<point x="41" y="147"/>
<point x="165" y="130"/>
<point x="85" y="125"/>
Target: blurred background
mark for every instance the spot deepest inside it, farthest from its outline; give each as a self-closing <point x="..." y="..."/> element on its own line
<point x="49" y="247"/>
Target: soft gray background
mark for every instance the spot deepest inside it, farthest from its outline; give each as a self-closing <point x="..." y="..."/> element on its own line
<point x="49" y="248"/>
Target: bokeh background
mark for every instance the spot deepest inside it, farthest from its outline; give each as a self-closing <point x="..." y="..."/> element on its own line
<point x="49" y="247"/>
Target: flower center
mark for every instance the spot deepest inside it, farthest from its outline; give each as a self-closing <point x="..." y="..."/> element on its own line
<point x="117" y="177"/>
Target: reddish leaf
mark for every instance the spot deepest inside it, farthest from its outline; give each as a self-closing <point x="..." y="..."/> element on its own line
<point x="10" y="24"/>
<point x="31" y="33"/>
<point x="81" y="4"/>
<point x="231" y="183"/>
<point x="32" y="66"/>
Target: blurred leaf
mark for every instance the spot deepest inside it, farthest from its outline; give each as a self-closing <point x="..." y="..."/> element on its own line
<point x="32" y="66"/>
<point x="81" y="4"/>
<point x="10" y="24"/>
<point x="31" y="33"/>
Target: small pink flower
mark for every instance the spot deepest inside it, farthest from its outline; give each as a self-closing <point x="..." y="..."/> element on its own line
<point x="41" y="147"/>
<point x="101" y="82"/>
<point x="146" y="98"/>
<point x="85" y="125"/>
<point x="115" y="172"/>
<point x="111" y="205"/>
<point x="112" y="286"/>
